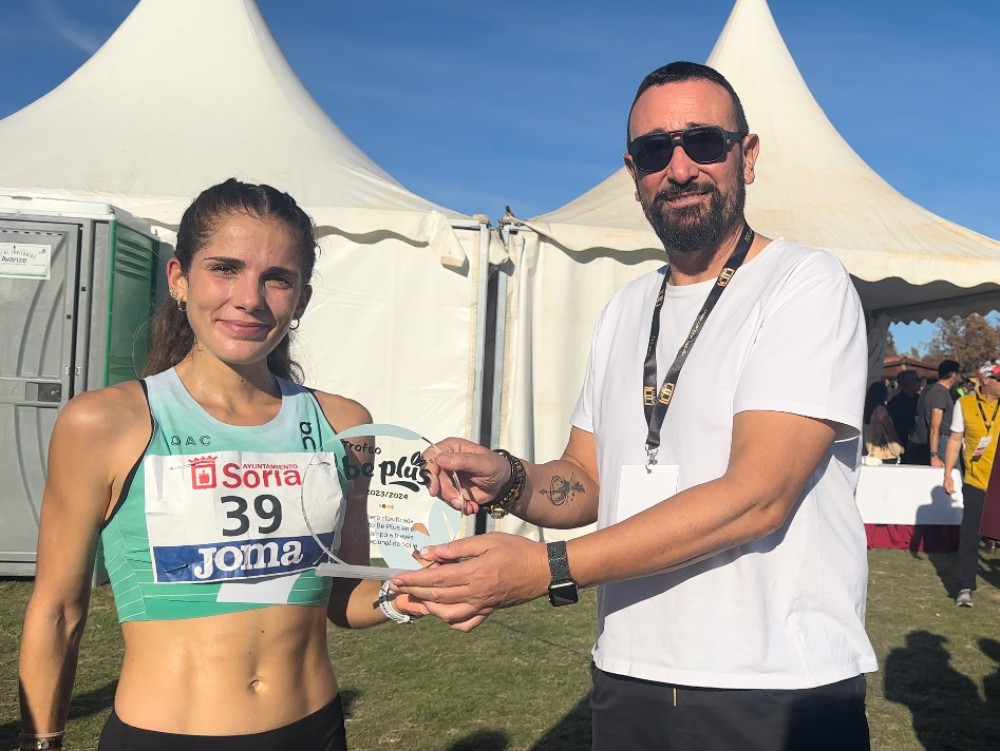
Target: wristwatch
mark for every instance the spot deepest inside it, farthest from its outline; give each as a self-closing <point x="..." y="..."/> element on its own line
<point x="562" y="588"/>
<point x="385" y="598"/>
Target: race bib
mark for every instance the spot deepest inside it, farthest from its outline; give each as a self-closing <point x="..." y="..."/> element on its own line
<point x="238" y="516"/>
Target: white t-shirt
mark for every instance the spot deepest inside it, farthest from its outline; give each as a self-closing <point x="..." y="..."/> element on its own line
<point x="957" y="420"/>
<point x="784" y="611"/>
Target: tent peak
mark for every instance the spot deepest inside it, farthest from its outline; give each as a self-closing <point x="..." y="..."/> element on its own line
<point x="185" y="94"/>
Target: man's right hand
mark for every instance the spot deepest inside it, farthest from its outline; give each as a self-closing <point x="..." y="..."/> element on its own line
<point x="481" y="474"/>
<point x="949" y="483"/>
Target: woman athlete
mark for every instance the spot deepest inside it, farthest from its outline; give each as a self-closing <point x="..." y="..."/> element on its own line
<point x="192" y="480"/>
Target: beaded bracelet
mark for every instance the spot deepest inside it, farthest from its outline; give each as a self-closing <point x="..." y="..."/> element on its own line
<point x="508" y="495"/>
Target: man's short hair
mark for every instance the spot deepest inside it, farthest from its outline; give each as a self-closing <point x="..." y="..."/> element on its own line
<point x="948" y="368"/>
<point x="682" y="70"/>
<point x="907" y="375"/>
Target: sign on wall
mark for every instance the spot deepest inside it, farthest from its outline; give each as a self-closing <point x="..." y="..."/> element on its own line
<point x="26" y="260"/>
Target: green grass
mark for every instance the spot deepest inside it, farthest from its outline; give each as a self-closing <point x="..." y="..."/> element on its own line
<point x="520" y="681"/>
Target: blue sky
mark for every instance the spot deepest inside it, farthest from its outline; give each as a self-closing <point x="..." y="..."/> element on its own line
<point x="480" y="105"/>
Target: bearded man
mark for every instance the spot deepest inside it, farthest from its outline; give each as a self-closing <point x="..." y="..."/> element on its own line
<point x="730" y="555"/>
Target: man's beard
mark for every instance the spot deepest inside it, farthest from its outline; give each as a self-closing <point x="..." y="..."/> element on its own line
<point x="693" y="229"/>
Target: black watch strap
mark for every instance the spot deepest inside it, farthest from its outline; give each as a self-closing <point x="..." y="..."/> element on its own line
<point x="558" y="563"/>
<point x="562" y="588"/>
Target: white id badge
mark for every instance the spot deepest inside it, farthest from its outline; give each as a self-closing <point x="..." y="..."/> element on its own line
<point x="639" y="489"/>
<point x="984" y="443"/>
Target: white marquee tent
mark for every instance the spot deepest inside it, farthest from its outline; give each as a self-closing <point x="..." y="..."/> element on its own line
<point x="811" y="187"/>
<point x="187" y="93"/>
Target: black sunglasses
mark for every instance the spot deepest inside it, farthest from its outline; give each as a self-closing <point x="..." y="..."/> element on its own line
<point x="705" y="144"/>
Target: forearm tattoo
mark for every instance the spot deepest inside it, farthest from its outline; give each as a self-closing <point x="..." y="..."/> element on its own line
<point x="561" y="490"/>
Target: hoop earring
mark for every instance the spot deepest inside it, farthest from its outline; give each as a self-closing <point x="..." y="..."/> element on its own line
<point x="294" y="325"/>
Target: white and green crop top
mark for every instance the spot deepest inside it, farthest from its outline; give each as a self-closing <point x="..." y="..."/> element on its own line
<point x="213" y="519"/>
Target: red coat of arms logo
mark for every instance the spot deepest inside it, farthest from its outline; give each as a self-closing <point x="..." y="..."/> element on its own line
<point x="203" y="472"/>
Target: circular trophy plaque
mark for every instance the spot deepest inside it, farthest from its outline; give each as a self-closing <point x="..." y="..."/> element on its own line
<point x="389" y="464"/>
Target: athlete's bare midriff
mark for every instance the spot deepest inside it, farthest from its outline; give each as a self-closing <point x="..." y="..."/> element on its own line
<point x="227" y="674"/>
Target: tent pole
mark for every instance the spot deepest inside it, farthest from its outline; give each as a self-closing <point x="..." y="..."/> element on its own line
<point x="482" y="312"/>
<point x="494" y="338"/>
<point x="878" y="335"/>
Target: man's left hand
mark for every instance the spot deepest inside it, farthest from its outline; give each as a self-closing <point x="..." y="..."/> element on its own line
<point x="484" y="573"/>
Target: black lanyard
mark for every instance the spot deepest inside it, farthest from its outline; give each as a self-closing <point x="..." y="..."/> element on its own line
<point x="987" y="423"/>
<point x="655" y="405"/>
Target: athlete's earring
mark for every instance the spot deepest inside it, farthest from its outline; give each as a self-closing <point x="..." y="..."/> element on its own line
<point x="181" y="304"/>
<point x="294" y="325"/>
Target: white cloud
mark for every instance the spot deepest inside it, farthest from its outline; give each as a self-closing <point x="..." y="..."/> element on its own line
<point x="55" y="18"/>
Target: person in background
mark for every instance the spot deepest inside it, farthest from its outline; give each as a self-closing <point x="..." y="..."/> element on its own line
<point x="882" y="445"/>
<point x="974" y="430"/>
<point x="929" y="438"/>
<point x="880" y="439"/>
<point x="191" y="478"/>
<point x="730" y="553"/>
<point x="902" y="407"/>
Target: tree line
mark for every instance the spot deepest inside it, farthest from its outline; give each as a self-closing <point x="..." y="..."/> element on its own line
<point x="970" y="341"/>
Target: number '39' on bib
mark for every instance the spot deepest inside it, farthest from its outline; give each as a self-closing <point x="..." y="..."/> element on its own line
<point x="233" y="515"/>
